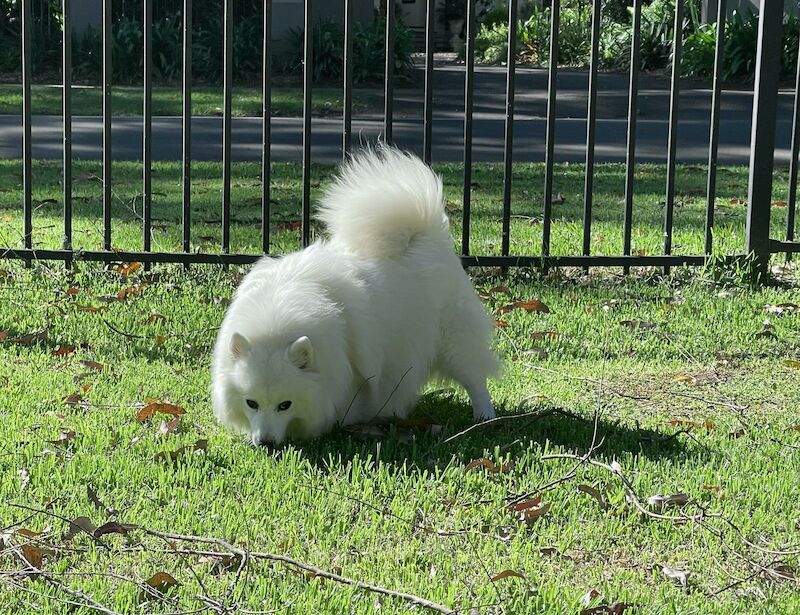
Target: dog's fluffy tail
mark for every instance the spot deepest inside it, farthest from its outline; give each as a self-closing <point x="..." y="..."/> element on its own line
<point x="382" y="201"/>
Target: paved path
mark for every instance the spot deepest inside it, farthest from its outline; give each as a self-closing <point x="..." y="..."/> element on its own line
<point x="529" y="128"/>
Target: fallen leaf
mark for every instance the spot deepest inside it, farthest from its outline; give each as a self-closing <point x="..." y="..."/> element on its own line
<point x="3" y="335"/>
<point x="155" y="317"/>
<point x="33" y="555"/>
<point x="783" y="572"/>
<point x="126" y="269"/>
<point x="589" y="597"/>
<point x="532" y="305"/>
<point x="780" y="309"/>
<point x="158" y="407"/>
<point x="737" y="202"/>
<point x="595" y="494"/>
<point x="500" y="324"/>
<point x="129" y="292"/>
<point x="542" y="335"/>
<point x="65" y="437"/>
<point x="92" y="365"/>
<point x="168" y="427"/>
<point x="73" y="399"/>
<point x="718" y="491"/>
<point x="62" y="351"/>
<point x="525" y="504"/>
<point x="369" y="430"/>
<point x="707" y="425"/>
<point x="779" y="203"/>
<point x="792" y="363"/>
<point x="506" y="574"/>
<point x="72" y="291"/>
<point x="78" y="525"/>
<point x="113" y="527"/>
<point x="498" y="289"/>
<point x="31" y="338"/>
<point x="27" y="533"/>
<point x="161" y="581"/>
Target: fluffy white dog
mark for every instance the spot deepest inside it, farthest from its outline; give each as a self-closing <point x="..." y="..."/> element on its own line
<point x="350" y="329"/>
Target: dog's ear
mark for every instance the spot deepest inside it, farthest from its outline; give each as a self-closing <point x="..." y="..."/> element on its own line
<point x="301" y="353"/>
<point x="239" y="346"/>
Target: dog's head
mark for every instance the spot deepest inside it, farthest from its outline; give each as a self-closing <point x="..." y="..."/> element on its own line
<point x="270" y="393"/>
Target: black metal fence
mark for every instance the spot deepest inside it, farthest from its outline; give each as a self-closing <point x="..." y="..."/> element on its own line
<point x="759" y="245"/>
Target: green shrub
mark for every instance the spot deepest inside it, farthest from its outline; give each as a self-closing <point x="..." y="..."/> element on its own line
<point x="698" y="52"/>
<point x="368" y="50"/>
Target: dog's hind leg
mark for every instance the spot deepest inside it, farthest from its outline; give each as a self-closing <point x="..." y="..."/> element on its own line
<point x="465" y="354"/>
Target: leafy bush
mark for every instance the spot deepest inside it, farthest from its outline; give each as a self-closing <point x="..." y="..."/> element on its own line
<point x="698" y="52"/>
<point x="368" y="50"/>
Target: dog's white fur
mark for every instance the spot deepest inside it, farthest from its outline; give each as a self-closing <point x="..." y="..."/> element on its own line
<point x="350" y="329"/>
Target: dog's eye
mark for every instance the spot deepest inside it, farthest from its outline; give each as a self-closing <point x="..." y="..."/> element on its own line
<point x="284" y="405"/>
<point x="252" y="403"/>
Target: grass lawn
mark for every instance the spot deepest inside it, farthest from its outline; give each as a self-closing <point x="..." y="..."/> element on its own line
<point x="692" y="379"/>
<point x="526" y="228"/>
<point x="206" y="100"/>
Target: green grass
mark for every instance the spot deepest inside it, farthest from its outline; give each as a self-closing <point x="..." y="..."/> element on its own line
<point x="526" y="227"/>
<point x="360" y="505"/>
<point x="206" y="100"/>
<point x="363" y="505"/>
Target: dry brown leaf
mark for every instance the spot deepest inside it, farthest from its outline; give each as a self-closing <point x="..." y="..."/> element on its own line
<point x="154" y="407"/>
<point x="126" y="269"/>
<point x="73" y="399"/>
<point x="542" y="335"/>
<point x="779" y="203"/>
<point x="113" y="527"/>
<point x="22" y="531"/>
<point x="3" y="335"/>
<point x="87" y="308"/>
<point x="506" y="574"/>
<point x="62" y="351"/>
<point x="792" y="363"/>
<point x="168" y="427"/>
<point x="532" y="305"/>
<point x="92" y="365"/>
<point x="500" y="324"/>
<point x="78" y="525"/>
<point x="498" y="289"/>
<point x="524" y="505"/>
<point x="490" y="466"/>
<point x="737" y="202"/>
<point x="72" y="291"/>
<point x="155" y="317"/>
<point x="31" y="338"/>
<point x="595" y="494"/>
<point x="589" y="597"/>
<point x="65" y="437"/>
<point x="33" y="555"/>
<point x="716" y="490"/>
<point x="707" y="425"/>
<point x="162" y="581"/>
<point x="130" y="292"/>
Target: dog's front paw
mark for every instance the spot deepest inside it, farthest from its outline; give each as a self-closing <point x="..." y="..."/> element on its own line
<point x="483" y="412"/>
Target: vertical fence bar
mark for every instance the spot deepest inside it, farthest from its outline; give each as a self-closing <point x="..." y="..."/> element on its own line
<point x="469" y="88"/>
<point x="630" y="157"/>
<point x="66" y="118"/>
<point x="791" y="197"/>
<point x="427" y="145"/>
<point x="226" y="126"/>
<point x="27" y="185"/>
<point x="713" y="139"/>
<point x="308" y="69"/>
<point x="508" y="155"/>
<point x="147" y="128"/>
<point x="672" y="138"/>
<point x="107" y="74"/>
<point x="186" y="162"/>
<point x="591" y="127"/>
<point x="388" y="83"/>
<point x="762" y="140"/>
<point x="347" y="71"/>
<point x="552" y="74"/>
<point x="266" y="126"/>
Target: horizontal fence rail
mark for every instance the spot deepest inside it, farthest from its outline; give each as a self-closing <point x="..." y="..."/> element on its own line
<point x="760" y="246"/>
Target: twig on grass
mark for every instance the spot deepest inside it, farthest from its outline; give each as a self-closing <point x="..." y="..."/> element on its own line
<point x="317" y="572"/>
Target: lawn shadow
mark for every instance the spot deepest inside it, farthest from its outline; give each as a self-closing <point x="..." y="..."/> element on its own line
<point x="444" y="434"/>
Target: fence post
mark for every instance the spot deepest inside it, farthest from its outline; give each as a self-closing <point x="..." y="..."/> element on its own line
<point x="762" y="139"/>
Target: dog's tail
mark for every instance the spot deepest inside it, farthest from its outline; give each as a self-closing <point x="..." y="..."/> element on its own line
<point x="382" y="201"/>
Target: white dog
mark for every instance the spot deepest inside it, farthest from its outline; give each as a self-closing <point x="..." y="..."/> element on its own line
<point x="350" y="329"/>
